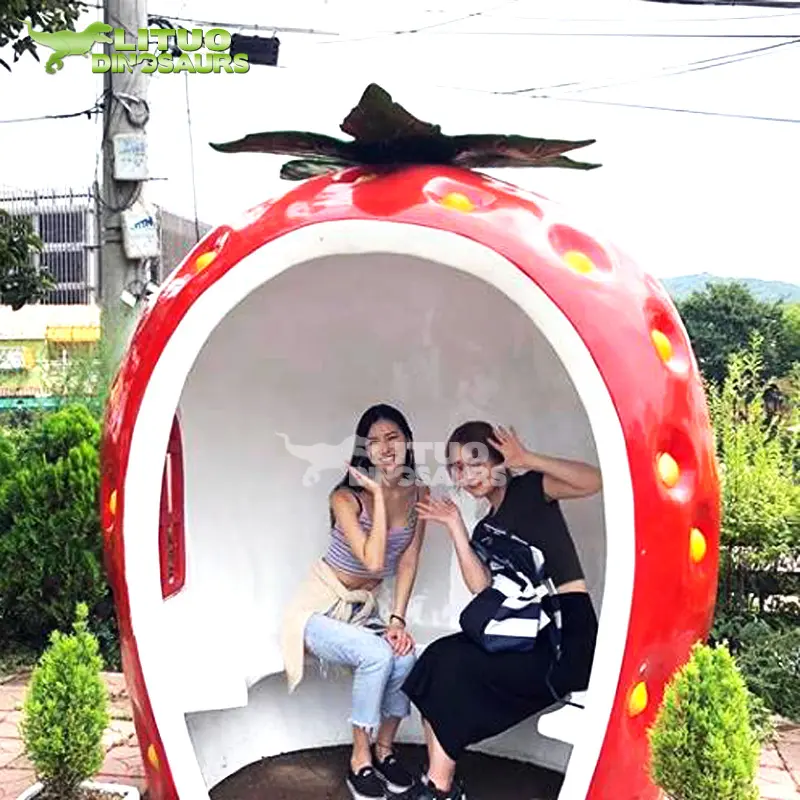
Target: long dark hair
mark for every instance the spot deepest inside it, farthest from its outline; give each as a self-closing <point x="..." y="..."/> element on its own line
<point x="360" y="458"/>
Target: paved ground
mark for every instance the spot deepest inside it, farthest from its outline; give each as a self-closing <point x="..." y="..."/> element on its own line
<point x="318" y="775"/>
<point x="123" y="761"/>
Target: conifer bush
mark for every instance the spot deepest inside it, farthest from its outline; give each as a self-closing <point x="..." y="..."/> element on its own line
<point x="702" y="742"/>
<point x="66" y="712"/>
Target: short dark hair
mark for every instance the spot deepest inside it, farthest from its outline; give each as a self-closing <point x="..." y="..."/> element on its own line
<point x="474" y="432"/>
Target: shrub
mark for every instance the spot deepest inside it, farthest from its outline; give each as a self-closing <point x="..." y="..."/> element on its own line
<point x="50" y="539"/>
<point x="66" y="711"/>
<point x="760" y="487"/>
<point x="769" y="658"/>
<point x="58" y="433"/>
<point x="702" y="741"/>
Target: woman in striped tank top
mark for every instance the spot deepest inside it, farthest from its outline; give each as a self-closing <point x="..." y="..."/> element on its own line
<point x="375" y="534"/>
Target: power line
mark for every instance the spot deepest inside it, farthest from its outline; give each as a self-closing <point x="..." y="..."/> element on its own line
<point x="659" y="21"/>
<point x="422" y="28"/>
<point x="86" y="112"/>
<point x="682" y="69"/>
<point x="788" y="120"/>
<point x="512" y="94"/>
<point x="621" y="34"/>
<point x="250" y="26"/>
<point x="750" y="3"/>
<point x="191" y="157"/>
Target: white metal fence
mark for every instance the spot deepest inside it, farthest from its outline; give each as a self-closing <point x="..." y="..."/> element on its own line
<point x="66" y="222"/>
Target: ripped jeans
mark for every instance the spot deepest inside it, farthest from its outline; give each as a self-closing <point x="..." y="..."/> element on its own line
<point x="378" y="673"/>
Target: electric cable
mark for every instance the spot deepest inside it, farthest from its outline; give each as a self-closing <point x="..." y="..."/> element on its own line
<point x="666" y="72"/>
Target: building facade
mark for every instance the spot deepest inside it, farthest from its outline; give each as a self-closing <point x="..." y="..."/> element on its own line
<point x="39" y="342"/>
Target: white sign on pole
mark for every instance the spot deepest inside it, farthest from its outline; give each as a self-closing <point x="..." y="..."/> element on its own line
<point x="130" y="157"/>
<point x="140" y="233"/>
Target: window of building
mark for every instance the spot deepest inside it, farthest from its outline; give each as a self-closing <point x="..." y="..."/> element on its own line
<point x="68" y="269"/>
<point x="59" y="227"/>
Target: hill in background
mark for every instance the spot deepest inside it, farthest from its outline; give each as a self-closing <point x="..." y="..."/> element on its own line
<point x="768" y="291"/>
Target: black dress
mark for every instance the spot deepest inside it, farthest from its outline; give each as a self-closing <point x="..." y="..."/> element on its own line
<point x="468" y="694"/>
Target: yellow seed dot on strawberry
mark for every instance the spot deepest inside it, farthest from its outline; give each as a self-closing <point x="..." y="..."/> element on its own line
<point x="638" y="699"/>
<point x="204" y="260"/>
<point x="578" y="261"/>
<point x="668" y="470"/>
<point x="662" y="345"/>
<point x="457" y="202"/>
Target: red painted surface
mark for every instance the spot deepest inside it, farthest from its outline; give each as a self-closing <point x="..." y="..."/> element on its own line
<point x="614" y="309"/>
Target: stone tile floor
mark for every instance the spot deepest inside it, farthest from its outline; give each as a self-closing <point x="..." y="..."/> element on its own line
<point x="318" y="775"/>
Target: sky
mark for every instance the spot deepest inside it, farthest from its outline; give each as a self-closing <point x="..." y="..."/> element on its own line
<point x="681" y="192"/>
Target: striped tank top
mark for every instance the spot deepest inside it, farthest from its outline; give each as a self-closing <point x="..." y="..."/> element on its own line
<point x="340" y="555"/>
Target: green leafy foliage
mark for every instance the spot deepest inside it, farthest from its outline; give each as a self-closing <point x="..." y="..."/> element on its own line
<point x="47" y="15"/>
<point x="756" y="616"/>
<point x="85" y="378"/>
<point x="760" y="486"/>
<point x="769" y="658"/>
<point x="50" y="538"/>
<point x="703" y="744"/>
<point x="21" y="280"/>
<point x="66" y="711"/>
<point x="721" y="320"/>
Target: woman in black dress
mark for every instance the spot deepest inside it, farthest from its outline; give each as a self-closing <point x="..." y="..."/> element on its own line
<point x="464" y="693"/>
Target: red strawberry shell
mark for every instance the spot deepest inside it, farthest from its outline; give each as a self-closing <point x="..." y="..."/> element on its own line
<point x="638" y="352"/>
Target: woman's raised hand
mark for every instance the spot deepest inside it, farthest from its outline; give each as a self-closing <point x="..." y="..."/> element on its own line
<point x="373" y="487"/>
<point x="443" y="510"/>
<point x="511" y="448"/>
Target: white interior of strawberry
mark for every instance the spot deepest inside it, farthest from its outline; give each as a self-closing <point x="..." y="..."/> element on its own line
<point x="266" y="398"/>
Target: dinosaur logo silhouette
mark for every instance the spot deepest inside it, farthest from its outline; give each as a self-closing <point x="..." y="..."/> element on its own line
<point x="320" y="457"/>
<point x="70" y="43"/>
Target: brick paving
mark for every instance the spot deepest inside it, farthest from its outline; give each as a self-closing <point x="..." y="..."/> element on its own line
<point x="318" y="774"/>
<point x="122" y="764"/>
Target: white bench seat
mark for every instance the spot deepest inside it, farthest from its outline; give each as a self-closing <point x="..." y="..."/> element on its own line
<point x="263" y="658"/>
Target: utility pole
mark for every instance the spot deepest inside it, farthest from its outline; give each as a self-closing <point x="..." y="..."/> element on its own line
<point x="121" y="277"/>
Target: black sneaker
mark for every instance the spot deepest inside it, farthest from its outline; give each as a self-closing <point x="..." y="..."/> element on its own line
<point x="396" y="777"/>
<point x="427" y="791"/>
<point x="365" y="784"/>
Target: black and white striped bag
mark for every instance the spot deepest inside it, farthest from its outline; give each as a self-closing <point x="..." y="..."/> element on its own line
<point x="521" y="602"/>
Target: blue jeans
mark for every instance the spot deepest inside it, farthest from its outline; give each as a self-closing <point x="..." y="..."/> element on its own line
<point x="378" y="672"/>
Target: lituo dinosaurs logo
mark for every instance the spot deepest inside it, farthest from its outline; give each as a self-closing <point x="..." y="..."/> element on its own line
<point x="178" y="55"/>
<point x="70" y="43"/>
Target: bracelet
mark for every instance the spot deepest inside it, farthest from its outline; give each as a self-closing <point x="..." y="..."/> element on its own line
<point x="397" y="617"/>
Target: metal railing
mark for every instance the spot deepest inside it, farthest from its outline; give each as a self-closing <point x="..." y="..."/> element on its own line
<point x="66" y="222"/>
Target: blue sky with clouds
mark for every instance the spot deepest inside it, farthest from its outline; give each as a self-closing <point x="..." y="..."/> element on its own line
<point x="683" y="192"/>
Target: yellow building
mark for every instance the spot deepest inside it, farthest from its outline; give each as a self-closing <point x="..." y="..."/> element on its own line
<point x="36" y="345"/>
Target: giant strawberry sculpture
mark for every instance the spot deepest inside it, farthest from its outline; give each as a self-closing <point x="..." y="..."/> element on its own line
<point x="183" y="536"/>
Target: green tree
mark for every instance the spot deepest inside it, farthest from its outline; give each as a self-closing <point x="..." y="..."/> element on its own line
<point x="703" y="743"/>
<point x="21" y="281"/>
<point x="46" y="15"/>
<point x="721" y="320"/>
<point x="50" y="537"/>
<point x="760" y="483"/>
<point x="791" y="314"/>
<point x="66" y="712"/>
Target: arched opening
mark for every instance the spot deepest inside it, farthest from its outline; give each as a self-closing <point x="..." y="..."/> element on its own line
<point x="270" y="370"/>
<point x="171" y="524"/>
